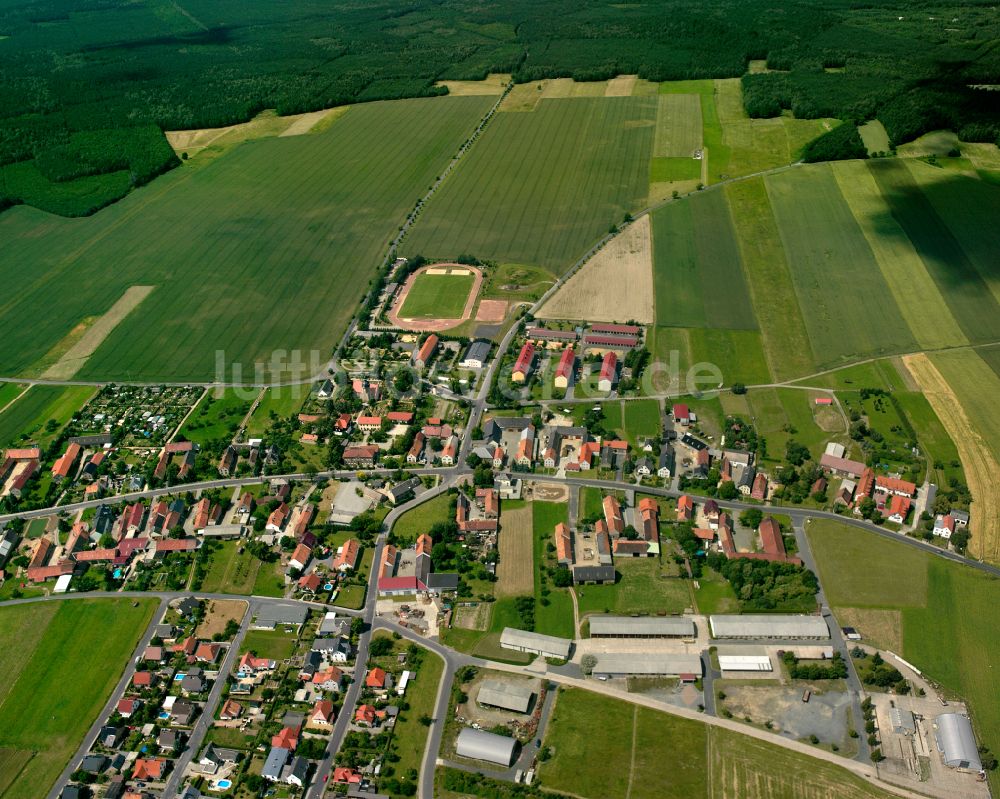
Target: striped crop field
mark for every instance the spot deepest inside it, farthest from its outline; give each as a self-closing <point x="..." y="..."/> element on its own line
<point x="831" y="263"/>
<point x="267" y="248"/>
<point x="539" y="188"/>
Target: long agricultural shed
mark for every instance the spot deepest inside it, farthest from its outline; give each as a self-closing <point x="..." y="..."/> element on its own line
<point x="646" y="664"/>
<point x="769" y="626"/>
<point x="641" y="627"/>
<point x="524" y="641"/>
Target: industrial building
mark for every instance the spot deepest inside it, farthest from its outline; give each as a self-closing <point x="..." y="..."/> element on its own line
<point x="547" y="645"/>
<point x="482" y="745"/>
<point x="509" y="696"/>
<point x="647" y="664"/>
<point x="769" y="626"/>
<point x="956" y="742"/>
<point x="641" y="627"/>
<point x="748" y="659"/>
<point x="902" y="721"/>
<point x="272" y="616"/>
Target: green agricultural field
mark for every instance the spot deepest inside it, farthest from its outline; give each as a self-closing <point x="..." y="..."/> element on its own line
<point x="943" y="609"/>
<point x="541" y="187"/>
<point x="832" y="261"/>
<point x="41" y="413"/>
<point x="782" y="327"/>
<point x="553" y="613"/>
<point x="640" y="587"/>
<point x="678" y="128"/>
<point x="230" y="572"/>
<point x="780" y="411"/>
<point x="668" y="170"/>
<point x="282" y="402"/>
<point x="739" y="354"/>
<point x="45" y="709"/>
<point x="705" y="761"/>
<point x="697" y="272"/>
<point x="881" y="373"/>
<point x="976" y="385"/>
<point x="217" y="417"/>
<point x="875" y="138"/>
<point x="437" y="296"/>
<point x="423" y="517"/>
<point x="9" y="392"/>
<point x="282" y="231"/>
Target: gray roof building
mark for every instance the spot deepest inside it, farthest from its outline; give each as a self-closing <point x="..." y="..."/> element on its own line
<point x="272" y="615"/>
<point x="646" y="664"/>
<point x="482" y="745"/>
<point x="509" y="696"/>
<point x="524" y="641"/>
<point x="602" y="573"/>
<point x="641" y="627"/>
<point x="334" y="625"/>
<point x="902" y="721"/>
<point x="295" y="773"/>
<point x="93" y="764"/>
<point x="476" y="355"/>
<point x="274" y="763"/>
<point x="957" y="742"/>
<point x="443" y="581"/>
<point x="765" y="625"/>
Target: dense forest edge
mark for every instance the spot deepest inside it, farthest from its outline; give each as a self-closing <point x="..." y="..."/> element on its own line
<point x="90" y="85"/>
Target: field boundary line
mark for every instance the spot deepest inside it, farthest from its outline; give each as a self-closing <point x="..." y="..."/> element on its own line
<point x="25" y="391"/>
<point x="631" y="767"/>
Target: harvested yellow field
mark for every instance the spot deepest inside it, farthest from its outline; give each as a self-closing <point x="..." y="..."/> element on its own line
<point x="883" y="628"/>
<point x="615" y="285"/>
<point x="494" y="84"/>
<point x="980" y="465"/>
<point x="622" y="86"/>
<point x="915" y="291"/>
<point x="567" y="87"/>
<point x="515" y="571"/>
<point x="304" y="123"/>
<point x="267" y="124"/>
<point x="83" y="347"/>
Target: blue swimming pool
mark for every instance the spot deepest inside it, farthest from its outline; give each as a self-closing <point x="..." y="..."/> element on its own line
<point x="180" y="676"/>
<point x="224" y="785"/>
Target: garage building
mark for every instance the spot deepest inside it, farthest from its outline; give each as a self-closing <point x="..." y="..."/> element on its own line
<point x="509" y="696"/>
<point x="547" y="645"/>
<point x="957" y="742"/>
<point x="769" y="626"/>
<point x="482" y="745"/>
<point x="641" y="627"/>
<point x="646" y="664"/>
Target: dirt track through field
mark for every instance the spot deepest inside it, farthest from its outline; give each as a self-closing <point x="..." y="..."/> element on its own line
<point x="76" y="356"/>
<point x="981" y="468"/>
<point x="515" y="571"/>
<point x="615" y="285"/>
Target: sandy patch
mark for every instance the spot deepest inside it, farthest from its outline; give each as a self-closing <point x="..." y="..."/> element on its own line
<point x="515" y="570"/>
<point x="881" y="628"/>
<point x="491" y="311"/>
<point x="76" y="356"/>
<point x="218" y="614"/>
<point x="622" y="86"/>
<point x="265" y="125"/>
<point x="613" y="286"/>
<point x="981" y="468"/>
<point x="550" y="492"/>
<point x="305" y="122"/>
<point x="494" y="84"/>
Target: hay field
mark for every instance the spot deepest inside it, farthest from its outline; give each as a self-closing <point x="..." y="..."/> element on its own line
<point x="284" y="231"/>
<point x="540" y="188"/>
<point x="678" y="126"/>
<point x="515" y="570"/>
<point x="47" y="708"/>
<point x="615" y="285"/>
<point x="953" y="384"/>
<point x="493" y="86"/>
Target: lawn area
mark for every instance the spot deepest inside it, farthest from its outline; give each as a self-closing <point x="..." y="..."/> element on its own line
<point x="945" y="610"/>
<point x="231" y="572"/>
<point x="270" y="581"/>
<point x="41" y="413"/>
<point x="778" y="412"/>
<point x="423" y="517"/>
<point x="554" y="612"/>
<point x="715" y="594"/>
<point x="298" y="222"/>
<point x="705" y="761"/>
<point x="642" y="419"/>
<point x="639" y="588"/>
<point x="9" y="392"/>
<point x="282" y="401"/>
<point x="591" y="501"/>
<point x="274" y="644"/>
<point x="881" y="373"/>
<point x="46" y="709"/>
<point x="217" y="416"/>
<point x="437" y="296"/>
<point x="539" y="188"/>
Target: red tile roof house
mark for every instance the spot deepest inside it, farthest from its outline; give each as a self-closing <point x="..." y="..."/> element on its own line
<point x="347" y="558"/>
<point x="682" y="414"/>
<point x="288" y="738"/>
<point x="345" y="776"/>
<point x="400" y="417"/>
<point x="685" y="508"/>
<point x="207" y="652"/>
<point x="231" y="710"/>
<point x="300" y="557"/>
<point x="609" y="372"/>
<point x="126" y="707"/>
<point x="303" y="519"/>
<point x="368" y="716"/>
<point x="165" y="546"/>
<point x="423" y="355"/>
<point x="897" y="509"/>
<point x="151" y="769"/>
<point x="360" y="457"/>
<point x="564" y="371"/>
<point x="759" y="490"/>
<point x="901" y="488"/>
<point x="251" y="664"/>
<point x="322" y="715"/>
<point x="375" y="678"/>
<point x="278" y="518"/>
<point x="144" y="679"/>
<point x="369" y="423"/>
<point x="62" y="467"/>
<point x="613" y="516"/>
<point x="522" y="366"/>
<point x="328" y="679"/>
<point x="564" y="545"/>
<point x="310" y="583"/>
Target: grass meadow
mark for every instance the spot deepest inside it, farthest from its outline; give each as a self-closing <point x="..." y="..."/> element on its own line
<point x="539" y="188"/>
<point x="704" y="761"/>
<point x="554" y="611"/>
<point x="284" y="232"/>
<point x="216" y="416"/>
<point x="45" y="707"/>
<point x="421" y="518"/>
<point x="946" y="609"/>
<point x="27" y="419"/>
<point x="283" y="402"/>
<point x="231" y="572"/>
<point x="440" y="296"/>
<point x="640" y="589"/>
